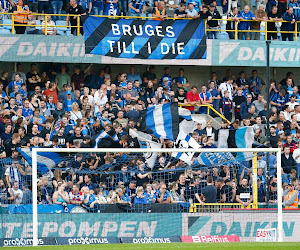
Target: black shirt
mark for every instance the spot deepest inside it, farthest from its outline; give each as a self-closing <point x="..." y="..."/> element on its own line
<point x="244" y="193"/>
<point x="9" y="147"/>
<point x="74" y="138"/>
<point x="78" y="10"/>
<point x="180" y="98"/>
<point x="62" y="140"/>
<point x="180" y="13"/>
<point x="31" y="86"/>
<point x="239" y="99"/>
<point x="149" y="76"/>
<point x="215" y="15"/>
<point x="224" y="190"/>
<point x="210" y="194"/>
<point x="271" y="25"/>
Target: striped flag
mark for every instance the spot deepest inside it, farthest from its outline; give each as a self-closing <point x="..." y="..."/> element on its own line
<point x="163" y="120"/>
<point x="184" y="141"/>
<point x="145" y="141"/>
<point x="45" y="160"/>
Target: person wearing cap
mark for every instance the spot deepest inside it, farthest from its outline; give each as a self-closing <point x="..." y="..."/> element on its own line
<point x="68" y="101"/>
<point x="291" y="199"/>
<point x="273" y="193"/>
<point x="213" y="24"/>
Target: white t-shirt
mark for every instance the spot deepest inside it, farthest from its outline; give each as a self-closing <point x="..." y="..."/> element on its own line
<point x="50" y="27"/>
<point x="225" y="86"/>
<point x="19" y="199"/>
<point x="296" y="153"/>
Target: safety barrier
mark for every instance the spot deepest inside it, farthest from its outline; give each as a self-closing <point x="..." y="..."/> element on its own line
<point x="209" y="108"/>
<point x="217" y="207"/>
<point x="266" y="31"/>
<point x="12" y="24"/>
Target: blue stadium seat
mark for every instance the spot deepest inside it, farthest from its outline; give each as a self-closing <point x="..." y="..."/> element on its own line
<point x="4" y="31"/>
<point x="38" y="22"/>
<point x="68" y="33"/>
<point x="7" y="21"/>
<point x="60" y="32"/>
<point x="61" y="23"/>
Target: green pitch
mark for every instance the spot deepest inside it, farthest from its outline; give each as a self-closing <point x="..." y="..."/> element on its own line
<point x="171" y="246"/>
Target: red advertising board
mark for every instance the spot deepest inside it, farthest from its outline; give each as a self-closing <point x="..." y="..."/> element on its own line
<point x="210" y="238"/>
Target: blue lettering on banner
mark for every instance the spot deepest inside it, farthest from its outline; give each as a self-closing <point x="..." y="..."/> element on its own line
<point x="145" y="39"/>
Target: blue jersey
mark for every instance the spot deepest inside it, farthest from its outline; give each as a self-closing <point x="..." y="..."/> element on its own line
<point x="137" y="4"/>
<point x="92" y="198"/>
<point x="244" y="25"/>
<point x="97" y="3"/>
<point x="13" y="83"/>
<point x="68" y="105"/>
<point x="110" y="9"/>
<point x="5" y="5"/>
<point x="27" y="112"/>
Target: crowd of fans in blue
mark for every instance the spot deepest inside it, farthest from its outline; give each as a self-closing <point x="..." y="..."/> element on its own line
<point x="63" y="109"/>
<point x="281" y="15"/>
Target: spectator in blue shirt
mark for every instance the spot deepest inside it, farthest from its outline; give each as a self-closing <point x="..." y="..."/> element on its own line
<point x="96" y="7"/>
<point x="18" y="81"/>
<point x="140" y="198"/>
<point x="137" y="8"/>
<point x="246" y="14"/>
<point x="288" y="26"/>
<point x="163" y="195"/>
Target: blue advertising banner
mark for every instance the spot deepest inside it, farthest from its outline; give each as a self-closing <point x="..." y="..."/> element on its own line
<point x="97" y="225"/>
<point x="145" y="39"/>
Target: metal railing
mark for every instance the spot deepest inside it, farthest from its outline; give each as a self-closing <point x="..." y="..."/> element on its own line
<point x="78" y="26"/>
<point x="209" y="108"/>
<point x="216" y="207"/>
<point x="266" y="31"/>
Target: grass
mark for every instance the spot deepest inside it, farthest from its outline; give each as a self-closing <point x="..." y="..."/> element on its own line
<point x="181" y="246"/>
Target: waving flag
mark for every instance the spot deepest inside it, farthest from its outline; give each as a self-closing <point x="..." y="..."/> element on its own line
<point x="244" y="138"/>
<point x="185" y="113"/>
<point x="163" y="120"/>
<point x="145" y="141"/>
<point x="185" y="141"/>
<point x="45" y="160"/>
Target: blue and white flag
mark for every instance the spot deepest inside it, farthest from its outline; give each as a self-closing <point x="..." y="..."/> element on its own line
<point x="244" y="138"/>
<point x="163" y="120"/>
<point x="184" y="141"/>
<point x="185" y="113"/>
<point x="45" y="160"/>
<point x="145" y="141"/>
<point x="216" y="159"/>
<point x="99" y="137"/>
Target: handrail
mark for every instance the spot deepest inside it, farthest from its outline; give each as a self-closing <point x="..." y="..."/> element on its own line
<point x="210" y="206"/>
<point x="78" y="26"/>
<point x="208" y="109"/>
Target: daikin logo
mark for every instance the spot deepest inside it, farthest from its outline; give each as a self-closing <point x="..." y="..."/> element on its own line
<point x="225" y="49"/>
<point x="7" y="43"/>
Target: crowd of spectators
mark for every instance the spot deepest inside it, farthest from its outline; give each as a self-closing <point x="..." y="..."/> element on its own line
<point x="64" y="110"/>
<point x="249" y="16"/>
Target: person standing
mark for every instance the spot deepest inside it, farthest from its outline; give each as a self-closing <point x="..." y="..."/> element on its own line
<point x="21" y="12"/>
<point x="75" y="9"/>
<point x="291" y="199"/>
